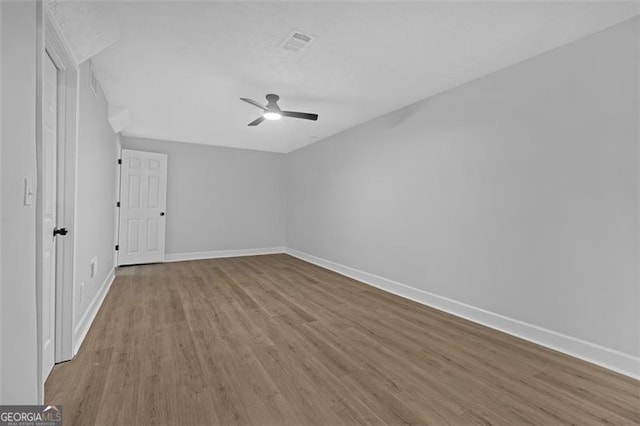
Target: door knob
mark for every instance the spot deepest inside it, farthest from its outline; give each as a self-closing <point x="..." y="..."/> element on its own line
<point x="60" y="231"/>
<point x="161" y="213"/>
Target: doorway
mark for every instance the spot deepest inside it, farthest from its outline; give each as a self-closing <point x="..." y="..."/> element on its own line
<point x="143" y="198"/>
<point x="55" y="201"/>
<point x="47" y="214"/>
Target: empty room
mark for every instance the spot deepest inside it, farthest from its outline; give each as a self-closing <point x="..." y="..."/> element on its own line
<point x="319" y="213"/>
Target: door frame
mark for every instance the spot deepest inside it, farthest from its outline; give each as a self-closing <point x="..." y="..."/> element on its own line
<point x="116" y="216"/>
<point x="121" y="164"/>
<point x="51" y="43"/>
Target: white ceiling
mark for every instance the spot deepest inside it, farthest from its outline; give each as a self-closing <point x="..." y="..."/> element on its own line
<point x="88" y="27"/>
<point x="180" y="67"/>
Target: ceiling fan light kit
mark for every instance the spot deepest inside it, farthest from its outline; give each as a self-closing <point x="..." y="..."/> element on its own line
<point x="273" y="112"/>
<point x="272" y="115"/>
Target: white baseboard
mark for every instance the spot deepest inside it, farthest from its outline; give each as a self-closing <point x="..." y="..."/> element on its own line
<point x="198" y="255"/>
<point x="82" y="328"/>
<point x="611" y="359"/>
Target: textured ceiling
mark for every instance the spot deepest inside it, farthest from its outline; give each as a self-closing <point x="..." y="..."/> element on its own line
<point x="88" y="27"/>
<point x="180" y="67"/>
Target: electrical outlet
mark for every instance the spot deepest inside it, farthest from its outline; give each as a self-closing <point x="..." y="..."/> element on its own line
<point x="94" y="267"/>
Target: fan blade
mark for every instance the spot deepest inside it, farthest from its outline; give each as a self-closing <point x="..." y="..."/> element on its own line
<point x="303" y="115"/>
<point x="256" y="121"/>
<point x="254" y="103"/>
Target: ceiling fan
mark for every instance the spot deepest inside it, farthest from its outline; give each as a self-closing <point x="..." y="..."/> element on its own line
<point x="273" y="112"/>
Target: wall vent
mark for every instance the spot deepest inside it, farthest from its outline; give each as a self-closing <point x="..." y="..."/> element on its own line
<point x="296" y="41"/>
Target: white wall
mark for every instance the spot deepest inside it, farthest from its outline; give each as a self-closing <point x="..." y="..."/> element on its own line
<point x="516" y="193"/>
<point x="96" y="196"/>
<point x="18" y="366"/>
<point x="220" y="198"/>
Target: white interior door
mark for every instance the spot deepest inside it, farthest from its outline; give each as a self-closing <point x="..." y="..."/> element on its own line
<point x="143" y="195"/>
<point x="48" y="199"/>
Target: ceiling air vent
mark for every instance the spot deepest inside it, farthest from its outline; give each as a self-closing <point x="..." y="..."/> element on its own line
<point x="296" y="41"/>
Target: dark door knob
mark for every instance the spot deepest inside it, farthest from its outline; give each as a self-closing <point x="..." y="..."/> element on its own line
<point x="161" y="213"/>
<point x="60" y="231"/>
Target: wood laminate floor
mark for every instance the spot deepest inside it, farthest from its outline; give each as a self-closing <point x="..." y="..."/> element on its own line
<point x="274" y="340"/>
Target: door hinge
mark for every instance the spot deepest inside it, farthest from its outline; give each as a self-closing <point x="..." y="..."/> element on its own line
<point x="119" y="160"/>
<point x="117" y="247"/>
<point x="118" y="204"/>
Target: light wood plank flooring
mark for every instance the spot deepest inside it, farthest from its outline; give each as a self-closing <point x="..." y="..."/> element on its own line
<point x="273" y="340"/>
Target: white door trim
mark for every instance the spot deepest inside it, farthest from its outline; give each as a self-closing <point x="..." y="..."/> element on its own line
<point x="51" y="43"/>
<point x="118" y="161"/>
<point x="68" y="125"/>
